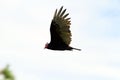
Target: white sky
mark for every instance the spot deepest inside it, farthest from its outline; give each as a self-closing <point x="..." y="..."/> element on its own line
<point x="24" y="30"/>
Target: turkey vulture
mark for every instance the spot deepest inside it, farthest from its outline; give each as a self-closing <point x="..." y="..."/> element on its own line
<point x="60" y="32"/>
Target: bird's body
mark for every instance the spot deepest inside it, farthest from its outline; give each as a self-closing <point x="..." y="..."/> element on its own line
<point x="60" y="32"/>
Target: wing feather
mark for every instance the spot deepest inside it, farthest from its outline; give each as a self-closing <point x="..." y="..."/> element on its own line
<point x="62" y="13"/>
<point x="65" y="15"/>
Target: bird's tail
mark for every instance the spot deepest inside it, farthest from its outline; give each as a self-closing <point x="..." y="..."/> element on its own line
<point x="77" y="49"/>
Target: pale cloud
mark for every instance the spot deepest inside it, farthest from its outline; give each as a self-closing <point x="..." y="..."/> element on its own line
<point x="10" y="4"/>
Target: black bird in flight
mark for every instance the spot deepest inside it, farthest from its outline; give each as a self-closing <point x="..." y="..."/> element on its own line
<point x="60" y="32"/>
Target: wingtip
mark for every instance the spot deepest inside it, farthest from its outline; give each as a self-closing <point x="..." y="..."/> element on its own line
<point x="62" y="6"/>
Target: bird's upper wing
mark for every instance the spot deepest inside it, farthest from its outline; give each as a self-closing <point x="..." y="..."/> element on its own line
<point x="60" y="26"/>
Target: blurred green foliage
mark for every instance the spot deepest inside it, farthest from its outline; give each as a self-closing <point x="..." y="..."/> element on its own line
<point x="7" y="73"/>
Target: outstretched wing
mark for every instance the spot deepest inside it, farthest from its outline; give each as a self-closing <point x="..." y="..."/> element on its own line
<point x="60" y="27"/>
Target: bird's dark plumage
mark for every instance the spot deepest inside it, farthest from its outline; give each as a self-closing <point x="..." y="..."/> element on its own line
<point x="60" y="31"/>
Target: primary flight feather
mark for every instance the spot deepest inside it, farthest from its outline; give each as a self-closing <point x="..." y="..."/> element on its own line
<point x="60" y="31"/>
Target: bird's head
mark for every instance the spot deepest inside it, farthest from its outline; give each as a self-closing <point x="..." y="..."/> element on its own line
<point x="46" y="45"/>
